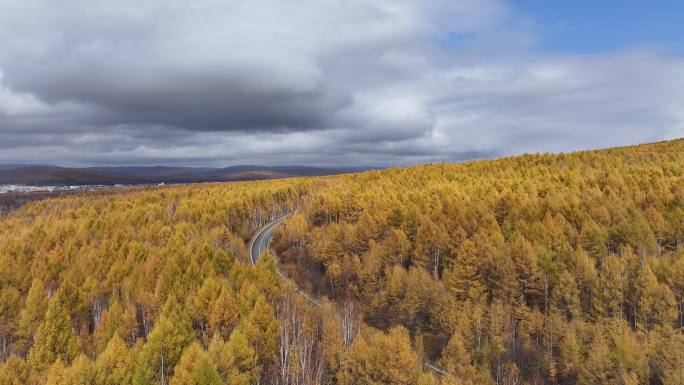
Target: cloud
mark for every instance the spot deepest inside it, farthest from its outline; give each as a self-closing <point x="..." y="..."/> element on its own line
<point x="326" y="82"/>
<point x="555" y="103"/>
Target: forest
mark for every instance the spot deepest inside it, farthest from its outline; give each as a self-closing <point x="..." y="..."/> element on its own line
<point x="535" y="269"/>
<point x="10" y="201"/>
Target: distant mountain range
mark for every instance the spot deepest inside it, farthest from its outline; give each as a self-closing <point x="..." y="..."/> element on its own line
<point x="43" y="175"/>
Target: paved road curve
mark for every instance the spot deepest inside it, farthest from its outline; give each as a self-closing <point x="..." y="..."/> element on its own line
<point x="259" y="243"/>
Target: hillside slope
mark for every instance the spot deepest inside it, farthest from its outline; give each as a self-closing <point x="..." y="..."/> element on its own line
<point x="536" y="267"/>
<point x="52" y="175"/>
<point x="555" y="269"/>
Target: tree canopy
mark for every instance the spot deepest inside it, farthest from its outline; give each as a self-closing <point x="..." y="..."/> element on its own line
<point x="554" y="269"/>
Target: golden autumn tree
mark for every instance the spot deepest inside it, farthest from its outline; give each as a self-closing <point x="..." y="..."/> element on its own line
<point x="55" y="337"/>
<point x="165" y="344"/>
<point x="262" y="330"/>
<point x="195" y="368"/>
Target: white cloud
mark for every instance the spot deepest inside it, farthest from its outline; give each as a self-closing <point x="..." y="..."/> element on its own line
<point x="315" y="81"/>
<point x="12" y="103"/>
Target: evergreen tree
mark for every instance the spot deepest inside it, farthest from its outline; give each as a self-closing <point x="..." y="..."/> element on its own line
<point x="456" y="359"/>
<point x="15" y="371"/>
<point x="10" y="302"/>
<point x="566" y="296"/>
<point x="55" y="337"/>
<point x="114" y="366"/>
<point x="195" y="368"/>
<point x="401" y="366"/>
<point x="261" y="328"/>
<point x="165" y="344"/>
<point x="598" y="367"/>
<point x="678" y="287"/>
<point x="31" y="315"/>
<point x="201" y="304"/>
<point x="81" y="372"/>
<point x="464" y="278"/>
<point x="570" y="358"/>
<point x="612" y="287"/>
<point x="656" y="301"/>
<point x="383" y="359"/>
<point x="109" y="325"/>
<point x="266" y="274"/>
<point x="224" y="312"/>
<point x="236" y="359"/>
<point x="56" y="374"/>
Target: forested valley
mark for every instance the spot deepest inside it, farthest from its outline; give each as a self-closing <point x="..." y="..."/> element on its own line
<point x="536" y="269"/>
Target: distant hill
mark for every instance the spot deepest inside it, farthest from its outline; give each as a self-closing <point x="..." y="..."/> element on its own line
<point x="42" y="175"/>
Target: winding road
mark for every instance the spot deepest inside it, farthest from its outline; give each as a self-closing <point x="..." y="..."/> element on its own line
<point x="259" y="244"/>
<point x="262" y="238"/>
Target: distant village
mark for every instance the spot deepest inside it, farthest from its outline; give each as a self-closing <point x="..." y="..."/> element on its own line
<point x="15" y="188"/>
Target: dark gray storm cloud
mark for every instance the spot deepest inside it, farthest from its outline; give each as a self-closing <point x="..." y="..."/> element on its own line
<point x="324" y="82"/>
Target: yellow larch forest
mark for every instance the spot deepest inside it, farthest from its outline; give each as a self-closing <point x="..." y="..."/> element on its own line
<point x="536" y="269"/>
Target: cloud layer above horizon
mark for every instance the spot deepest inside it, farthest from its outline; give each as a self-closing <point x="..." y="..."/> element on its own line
<point x="321" y="82"/>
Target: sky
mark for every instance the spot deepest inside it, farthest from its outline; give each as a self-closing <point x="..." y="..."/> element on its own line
<point x="333" y="82"/>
